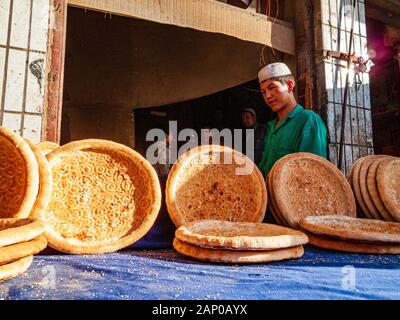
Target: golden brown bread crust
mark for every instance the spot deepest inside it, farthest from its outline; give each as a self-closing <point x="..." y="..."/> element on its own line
<point x="13" y="269"/>
<point x="356" y="167"/>
<point x="272" y="202"/>
<point x="356" y="229"/>
<point x="363" y="185"/>
<point x="239" y="235"/>
<point x="45" y="182"/>
<point x="388" y="182"/>
<point x="105" y="197"/>
<point x="19" y="230"/>
<point x="373" y="189"/>
<point x="305" y="184"/>
<point x="19" y="176"/>
<point x="232" y="256"/>
<point x="198" y="188"/>
<point x="47" y="146"/>
<point x="351" y="246"/>
<point x="21" y="250"/>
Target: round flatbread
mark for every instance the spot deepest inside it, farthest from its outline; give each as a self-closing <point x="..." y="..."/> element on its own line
<point x="218" y="183"/>
<point x="355" y="229"/>
<point x="360" y="212"/>
<point x="47" y="146"/>
<point x="21" y="250"/>
<point x="43" y="197"/>
<point x="373" y="189"/>
<point x="232" y="256"/>
<point x="19" y="176"/>
<point x="105" y="197"/>
<point x="239" y="235"/>
<point x="388" y="181"/>
<point x="357" y="189"/>
<point x="272" y="202"/>
<point x="19" y="230"/>
<point x="305" y="184"/>
<point x="13" y="269"/>
<point x="365" y="165"/>
<point x="354" y="247"/>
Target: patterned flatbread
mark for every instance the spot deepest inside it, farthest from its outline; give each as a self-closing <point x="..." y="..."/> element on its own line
<point x="388" y="181"/>
<point x="13" y="269"/>
<point x="105" y="197"/>
<point x="218" y="183"/>
<point x="47" y="146"/>
<point x="232" y="256"/>
<point x="239" y="235"/>
<point x="353" y="247"/>
<point x="305" y="184"/>
<point x="356" y="229"/>
<point x="19" y="176"/>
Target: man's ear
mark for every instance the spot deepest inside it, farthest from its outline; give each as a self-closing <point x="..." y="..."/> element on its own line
<point x="290" y="85"/>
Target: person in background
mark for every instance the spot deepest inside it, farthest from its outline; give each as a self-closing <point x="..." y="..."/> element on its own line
<point x="163" y="165"/>
<point x="295" y="129"/>
<point x="249" y="121"/>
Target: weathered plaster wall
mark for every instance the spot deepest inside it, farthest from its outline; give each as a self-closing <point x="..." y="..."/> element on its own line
<point x="23" y="46"/>
<point x="335" y="18"/>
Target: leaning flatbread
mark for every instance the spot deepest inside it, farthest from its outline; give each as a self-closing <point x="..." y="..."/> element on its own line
<point x="232" y="256"/>
<point x="105" y="197"/>
<point x="19" y="176"/>
<point x="43" y="197"/>
<point x="305" y="184"/>
<point x="215" y="182"/>
<point x="239" y="235"/>
<point x="388" y="181"/>
<point x="47" y="146"/>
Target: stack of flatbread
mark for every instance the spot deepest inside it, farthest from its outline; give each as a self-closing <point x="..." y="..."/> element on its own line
<point x="375" y="180"/>
<point x="238" y="242"/>
<point x="215" y="182"/>
<point x="355" y="235"/>
<point x="303" y="184"/>
<point x="20" y="239"/>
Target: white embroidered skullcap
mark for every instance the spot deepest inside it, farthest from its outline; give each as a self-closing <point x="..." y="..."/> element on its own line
<point x="273" y="70"/>
<point x="249" y="110"/>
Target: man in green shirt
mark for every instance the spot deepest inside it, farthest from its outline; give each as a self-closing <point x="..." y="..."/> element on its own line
<point x="295" y="129"/>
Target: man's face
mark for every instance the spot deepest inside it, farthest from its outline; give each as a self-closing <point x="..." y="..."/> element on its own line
<point x="276" y="94"/>
<point x="248" y="119"/>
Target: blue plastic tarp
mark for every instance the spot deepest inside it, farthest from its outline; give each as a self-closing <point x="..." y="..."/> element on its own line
<point x="164" y="274"/>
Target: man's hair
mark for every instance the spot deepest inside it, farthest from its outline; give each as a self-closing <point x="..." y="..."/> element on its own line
<point x="283" y="79"/>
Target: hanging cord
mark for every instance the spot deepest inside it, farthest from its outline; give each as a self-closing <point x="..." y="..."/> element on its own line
<point x="268" y="13"/>
<point x="346" y="89"/>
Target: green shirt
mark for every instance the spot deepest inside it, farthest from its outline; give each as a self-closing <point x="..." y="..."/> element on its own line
<point x="301" y="131"/>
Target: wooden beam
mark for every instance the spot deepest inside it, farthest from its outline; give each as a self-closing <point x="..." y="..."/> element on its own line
<point x="203" y="15"/>
<point x="53" y="108"/>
